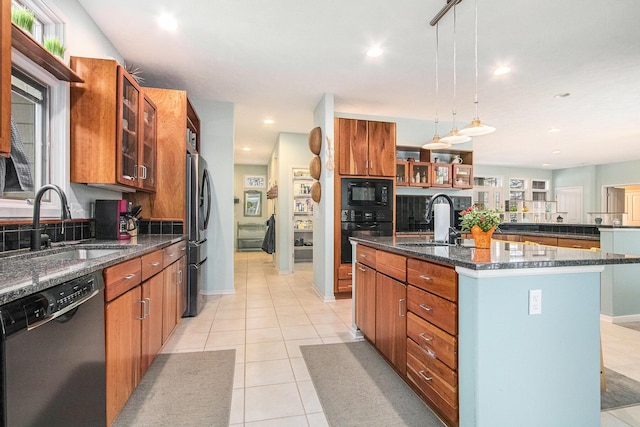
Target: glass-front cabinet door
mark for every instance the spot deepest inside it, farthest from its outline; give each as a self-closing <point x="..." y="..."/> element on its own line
<point x="128" y="130"/>
<point x="147" y="170"/>
<point x="462" y="176"/>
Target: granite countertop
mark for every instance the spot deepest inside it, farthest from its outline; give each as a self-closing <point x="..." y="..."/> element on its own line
<point x="29" y="272"/>
<point x="549" y="234"/>
<point x="502" y="255"/>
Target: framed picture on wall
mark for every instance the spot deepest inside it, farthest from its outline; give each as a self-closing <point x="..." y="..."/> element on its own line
<point x="255" y="181"/>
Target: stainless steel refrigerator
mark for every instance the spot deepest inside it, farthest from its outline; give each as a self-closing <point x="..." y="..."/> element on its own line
<point x="198" y="213"/>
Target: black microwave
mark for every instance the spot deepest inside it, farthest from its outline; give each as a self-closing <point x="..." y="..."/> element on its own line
<point x="364" y="192"/>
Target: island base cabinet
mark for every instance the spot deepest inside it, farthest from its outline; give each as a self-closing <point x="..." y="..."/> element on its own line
<point x="152" y="295"/>
<point x="435" y="380"/>
<point x="122" y="346"/>
<point x="366" y="301"/>
<point x="391" y="324"/>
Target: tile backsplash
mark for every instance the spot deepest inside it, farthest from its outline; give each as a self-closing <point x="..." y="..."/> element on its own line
<point x="18" y="236"/>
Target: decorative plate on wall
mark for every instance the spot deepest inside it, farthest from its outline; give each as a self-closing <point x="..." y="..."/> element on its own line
<point x="315" y="192"/>
<point x="315" y="167"/>
<point x="315" y="140"/>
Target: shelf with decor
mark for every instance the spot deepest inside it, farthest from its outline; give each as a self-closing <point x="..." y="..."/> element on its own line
<point x="536" y="211"/>
<point x="445" y="168"/>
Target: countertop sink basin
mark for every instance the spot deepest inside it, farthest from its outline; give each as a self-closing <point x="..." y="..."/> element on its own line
<point x="428" y="243"/>
<point x="79" y="254"/>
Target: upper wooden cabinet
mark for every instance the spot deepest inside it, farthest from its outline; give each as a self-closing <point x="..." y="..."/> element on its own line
<point x="113" y="128"/>
<point x="5" y="78"/>
<point x="366" y="148"/>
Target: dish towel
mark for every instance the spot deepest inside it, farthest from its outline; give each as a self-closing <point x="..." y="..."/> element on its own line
<point x="15" y="172"/>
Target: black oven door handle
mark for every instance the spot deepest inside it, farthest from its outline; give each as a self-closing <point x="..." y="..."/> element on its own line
<point x="367" y="226"/>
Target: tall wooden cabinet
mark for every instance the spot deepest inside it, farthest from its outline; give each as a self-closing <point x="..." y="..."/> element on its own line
<point x="366" y="148"/>
<point x="112" y="140"/>
<point x="5" y="78"/>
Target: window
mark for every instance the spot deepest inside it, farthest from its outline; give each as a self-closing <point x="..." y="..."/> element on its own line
<point x="539" y="190"/>
<point x="27" y="169"/>
<point x="488" y="192"/>
<point x="517" y="189"/>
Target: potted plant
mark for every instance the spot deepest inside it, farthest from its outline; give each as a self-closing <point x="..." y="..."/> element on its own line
<point x="481" y="223"/>
<point x="23" y="18"/>
<point x="53" y="45"/>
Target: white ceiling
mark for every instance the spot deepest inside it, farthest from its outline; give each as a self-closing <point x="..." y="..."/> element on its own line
<point x="275" y="59"/>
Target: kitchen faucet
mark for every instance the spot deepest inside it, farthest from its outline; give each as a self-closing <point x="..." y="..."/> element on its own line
<point x="65" y="214"/>
<point x="453" y="233"/>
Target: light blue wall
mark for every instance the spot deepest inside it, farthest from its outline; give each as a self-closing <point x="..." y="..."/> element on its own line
<point x="621" y="283"/>
<point x="216" y="127"/>
<point x="624" y="173"/>
<point x="585" y="177"/>
<point x="323" y="217"/>
<point x="529" y="371"/>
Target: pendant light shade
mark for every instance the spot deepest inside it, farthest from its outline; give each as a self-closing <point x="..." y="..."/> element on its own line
<point x="454" y="136"/>
<point x="477" y="128"/>
<point x="436" y="142"/>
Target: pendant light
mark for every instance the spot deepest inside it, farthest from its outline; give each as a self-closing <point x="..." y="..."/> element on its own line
<point x="454" y="136"/>
<point x="477" y="128"/>
<point x="436" y="142"/>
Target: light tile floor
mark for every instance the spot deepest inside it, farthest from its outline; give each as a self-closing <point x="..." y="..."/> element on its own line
<point x="271" y="315"/>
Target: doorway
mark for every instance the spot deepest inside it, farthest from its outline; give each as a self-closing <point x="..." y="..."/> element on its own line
<point x="570" y="203"/>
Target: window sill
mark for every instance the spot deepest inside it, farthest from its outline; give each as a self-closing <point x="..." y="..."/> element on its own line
<point x="29" y="47"/>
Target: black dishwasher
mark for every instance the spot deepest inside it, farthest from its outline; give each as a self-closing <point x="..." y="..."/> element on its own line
<point x="53" y="358"/>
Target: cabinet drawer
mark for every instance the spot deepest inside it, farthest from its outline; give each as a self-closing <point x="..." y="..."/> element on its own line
<point x="578" y="243"/>
<point x="173" y="253"/>
<point x="118" y="279"/>
<point x="432" y="308"/>
<point x="540" y="240"/>
<point x="151" y="264"/>
<point x="392" y="265"/>
<point x="435" y="342"/>
<point x="344" y="285"/>
<point x="344" y="271"/>
<point x="366" y="255"/>
<point x="434" y="278"/>
<point x="434" y="380"/>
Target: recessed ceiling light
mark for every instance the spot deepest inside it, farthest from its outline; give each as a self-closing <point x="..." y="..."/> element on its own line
<point x="554" y="130"/>
<point x="502" y="71"/>
<point x="374" y="52"/>
<point x="546" y="165"/>
<point x="556" y="152"/>
<point x="246" y="149"/>
<point x="268" y="121"/>
<point x="167" y="22"/>
<point x="561" y="95"/>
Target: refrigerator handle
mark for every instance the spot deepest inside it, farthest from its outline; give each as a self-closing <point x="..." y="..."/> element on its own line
<point x="206" y="196"/>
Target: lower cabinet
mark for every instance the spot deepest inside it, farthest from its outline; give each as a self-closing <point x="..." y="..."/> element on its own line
<point x="175" y="296"/>
<point x="153" y="297"/>
<point x="408" y="309"/>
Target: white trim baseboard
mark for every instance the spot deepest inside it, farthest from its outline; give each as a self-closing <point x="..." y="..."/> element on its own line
<point x="620" y="319"/>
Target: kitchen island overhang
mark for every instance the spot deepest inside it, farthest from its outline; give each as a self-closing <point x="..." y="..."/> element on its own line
<point x="516" y="368"/>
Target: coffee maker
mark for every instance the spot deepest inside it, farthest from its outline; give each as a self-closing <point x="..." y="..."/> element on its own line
<point x="112" y="219"/>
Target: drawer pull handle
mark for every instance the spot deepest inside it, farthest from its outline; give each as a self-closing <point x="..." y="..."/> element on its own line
<point x="349" y="274"/>
<point x="143" y="302"/>
<point x="429" y="352"/>
<point x="577" y="246"/>
<point x="425" y="338"/>
<point x="427" y="278"/>
<point x="426" y="378"/>
<point x="154" y="264"/>
<point x="129" y="276"/>
<point x="362" y="269"/>
<point x="363" y="255"/>
<point x="171" y="255"/>
<point x="400" y="310"/>
<point x="425" y="308"/>
<point x="148" y="300"/>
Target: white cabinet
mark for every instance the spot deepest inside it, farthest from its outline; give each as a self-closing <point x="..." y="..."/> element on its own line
<point x="302" y="216"/>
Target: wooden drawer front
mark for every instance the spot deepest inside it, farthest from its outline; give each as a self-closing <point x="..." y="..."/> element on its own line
<point x="344" y="271"/>
<point x="173" y="253"/>
<point x="505" y="237"/>
<point x="540" y="240"/>
<point x="435" y="342"/>
<point x="433" y="278"/>
<point x="118" y="279"/>
<point x="432" y="308"/>
<point x="578" y="243"/>
<point x="151" y="264"/>
<point x="366" y="255"/>
<point x="392" y="265"/>
<point x="434" y="380"/>
<point x="344" y="285"/>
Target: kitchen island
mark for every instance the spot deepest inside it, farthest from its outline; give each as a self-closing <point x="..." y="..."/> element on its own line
<point x="496" y="337"/>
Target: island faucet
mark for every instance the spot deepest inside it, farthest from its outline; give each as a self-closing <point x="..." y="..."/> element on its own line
<point x="453" y="233"/>
<point x="65" y="214"/>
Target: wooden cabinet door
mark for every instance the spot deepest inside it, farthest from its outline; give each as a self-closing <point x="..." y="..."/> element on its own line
<point x="122" y="347"/>
<point x="5" y="78"/>
<point x="147" y="169"/>
<point x="181" y="292"/>
<point x="128" y="130"/>
<point x="366" y="301"/>
<point x="391" y="321"/>
<point x="382" y="148"/>
<point x="152" y="295"/>
<point x="354" y="147"/>
<point x="170" y="300"/>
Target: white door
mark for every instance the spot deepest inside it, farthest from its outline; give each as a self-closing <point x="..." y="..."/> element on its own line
<point x="632" y="207"/>
<point x="615" y="200"/>
<point x="570" y="204"/>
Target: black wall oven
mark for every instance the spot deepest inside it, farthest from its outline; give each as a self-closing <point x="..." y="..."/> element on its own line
<point x="367" y="211"/>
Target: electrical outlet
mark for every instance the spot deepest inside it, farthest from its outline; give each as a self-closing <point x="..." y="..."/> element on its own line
<point x="535" y="301"/>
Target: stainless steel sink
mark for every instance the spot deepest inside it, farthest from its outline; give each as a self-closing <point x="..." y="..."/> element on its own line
<point x="79" y="254"/>
<point x="428" y="243"/>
